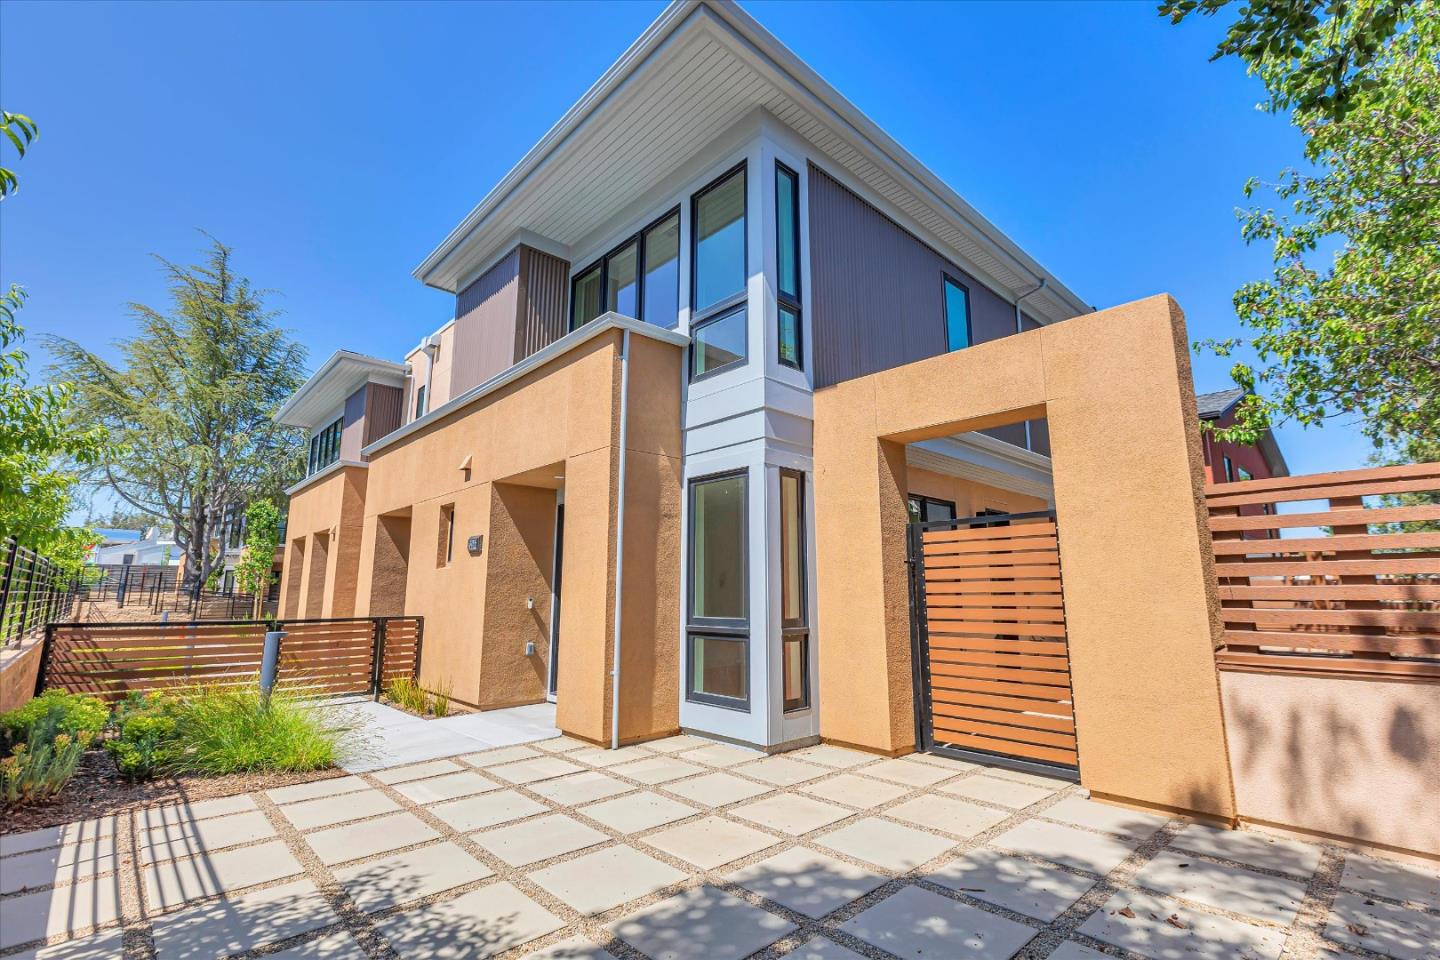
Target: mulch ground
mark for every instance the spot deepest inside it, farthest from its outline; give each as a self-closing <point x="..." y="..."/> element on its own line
<point x="97" y="789"/>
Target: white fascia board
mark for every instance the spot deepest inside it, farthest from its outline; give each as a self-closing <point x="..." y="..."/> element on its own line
<point x="373" y="368"/>
<point x="591" y="330"/>
<point x="319" y="475"/>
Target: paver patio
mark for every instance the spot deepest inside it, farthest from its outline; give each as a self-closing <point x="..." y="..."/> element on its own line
<point x="683" y="849"/>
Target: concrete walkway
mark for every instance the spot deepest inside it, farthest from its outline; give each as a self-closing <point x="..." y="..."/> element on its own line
<point x="386" y="737"/>
<point x="690" y="850"/>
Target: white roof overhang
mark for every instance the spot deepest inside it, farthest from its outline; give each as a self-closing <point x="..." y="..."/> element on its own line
<point x="341" y="375"/>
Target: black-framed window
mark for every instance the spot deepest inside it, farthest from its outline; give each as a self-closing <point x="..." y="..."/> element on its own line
<point x="794" y="618"/>
<point x="718" y="242"/>
<point x="420" y="401"/>
<point x="787" y="266"/>
<point x="640" y="278"/>
<point x="717" y="603"/>
<point x="924" y="509"/>
<point x="957" y="314"/>
<point x="718" y="342"/>
<point x="325" y="447"/>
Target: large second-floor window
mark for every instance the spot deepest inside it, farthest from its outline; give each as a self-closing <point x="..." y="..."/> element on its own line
<point x="325" y="447"/>
<point x="717" y="284"/>
<point x="640" y="278"/>
<point x="787" y="264"/>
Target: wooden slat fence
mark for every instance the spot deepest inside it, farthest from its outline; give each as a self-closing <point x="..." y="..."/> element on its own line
<point x="995" y="669"/>
<point x="333" y="657"/>
<point x="1345" y="583"/>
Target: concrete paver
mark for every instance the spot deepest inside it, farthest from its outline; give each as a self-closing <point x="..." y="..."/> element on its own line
<point x="1094" y="815"/>
<point x="1360" y="921"/>
<point x="807" y="881"/>
<point x="450" y="786"/>
<point x="1250" y="847"/>
<point x="822" y="949"/>
<point x="486" y="810"/>
<point x="366" y="838"/>
<point x="480" y="923"/>
<point x="948" y="814"/>
<point x="383" y="883"/>
<point x="918" y="924"/>
<point x="855" y="791"/>
<point x="43" y="868"/>
<point x="66" y="834"/>
<point x="1040" y="891"/>
<point x="791" y="813"/>
<point x="710" y="842"/>
<point x="718" y="789"/>
<point x="1164" y="929"/>
<point x="575" y="948"/>
<point x="1234" y="889"/>
<point x="600" y="881"/>
<point x="540" y="839"/>
<point x="98" y="946"/>
<point x="168" y="885"/>
<point x="1007" y="793"/>
<point x="638" y="811"/>
<point x="1067" y="846"/>
<point x="886" y="844"/>
<point x="415" y="771"/>
<point x="190" y="838"/>
<point x="323" y="811"/>
<point x="581" y="788"/>
<point x="702" y="923"/>
<point x="1393" y="879"/>
<point x="317" y="788"/>
<point x="59" y="911"/>
<point x="656" y="769"/>
<point x="782" y="771"/>
<point x="912" y="773"/>
<point x="233" y="925"/>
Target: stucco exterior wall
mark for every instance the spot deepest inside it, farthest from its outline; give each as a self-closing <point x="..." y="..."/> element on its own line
<point x="1349" y="758"/>
<point x="499" y="461"/>
<point x="332" y="506"/>
<point x="1134" y="548"/>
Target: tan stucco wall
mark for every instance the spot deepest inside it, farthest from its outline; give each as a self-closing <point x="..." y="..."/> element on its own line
<point x="19" y="668"/>
<point x="969" y="496"/>
<point x="1140" y="595"/>
<point x="1350" y="758"/>
<point x="561" y="420"/>
<point x="332" y="507"/>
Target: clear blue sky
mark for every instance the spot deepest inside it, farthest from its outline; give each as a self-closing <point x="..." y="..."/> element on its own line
<point x="334" y="145"/>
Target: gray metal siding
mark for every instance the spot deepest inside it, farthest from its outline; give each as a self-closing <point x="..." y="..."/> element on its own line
<point x="540" y="313"/>
<point x="878" y="292"/>
<point x="485" y="325"/>
<point x="352" y="430"/>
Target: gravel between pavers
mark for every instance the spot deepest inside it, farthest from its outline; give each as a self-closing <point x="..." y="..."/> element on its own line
<point x="1303" y="939"/>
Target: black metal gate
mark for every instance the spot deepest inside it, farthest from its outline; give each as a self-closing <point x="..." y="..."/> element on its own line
<point x="992" y="668"/>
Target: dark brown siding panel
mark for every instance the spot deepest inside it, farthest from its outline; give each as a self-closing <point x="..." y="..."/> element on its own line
<point x="383" y="410"/>
<point x="540" y="319"/>
<point x="485" y="325"/>
<point x="878" y="291"/>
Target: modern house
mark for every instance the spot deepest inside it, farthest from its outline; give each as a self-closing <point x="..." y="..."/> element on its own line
<point x="1226" y="461"/>
<point x="149" y="547"/>
<point x="737" y="398"/>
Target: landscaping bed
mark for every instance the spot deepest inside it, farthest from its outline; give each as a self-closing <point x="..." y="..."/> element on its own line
<point x="67" y="757"/>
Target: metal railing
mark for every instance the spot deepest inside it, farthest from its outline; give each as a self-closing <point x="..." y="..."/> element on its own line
<point x="34" y="590"/>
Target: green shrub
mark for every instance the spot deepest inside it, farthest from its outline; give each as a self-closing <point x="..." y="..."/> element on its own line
<point x="74" y="713"/>
<point x="145" y="744"/>
<point x="40" y="766"/>
<point x="441" y="705"/>
<point x="223" y="730"/>
<point x="409" y="695"/>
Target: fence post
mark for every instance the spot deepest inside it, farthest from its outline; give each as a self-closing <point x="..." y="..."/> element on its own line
<point x="25" y="601"/>
<point x="46" y="649"/>
<point x="270" y="662"/>
<point x="419" y="641"/>
<point x="11" y="549"/>
<point x="377" y="657"/>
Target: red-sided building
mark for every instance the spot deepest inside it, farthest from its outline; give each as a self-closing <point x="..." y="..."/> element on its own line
<point x="1225" y="461"/>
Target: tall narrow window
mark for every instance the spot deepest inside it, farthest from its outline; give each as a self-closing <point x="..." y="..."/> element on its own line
<point x="622" y="280"/>
<point x="717" y="615"/>
<point x="445" y="553"/>
<point x="795" y="636"/>
<point x="661" y="305"/>
<point x="787" y="264"/>
<point x="420" y="401"/>
<point x="585" y="296"/>
<point x="957" y="314"/>
<point x="718" y="264"/>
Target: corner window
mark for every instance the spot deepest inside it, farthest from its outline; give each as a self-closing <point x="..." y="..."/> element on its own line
<point x="957" y="314"/>
<point x="787" y="264"/>
<point x="795" y="635"/>
<point x="717" y="343"/>
<point x="718" y="261"/>
<point x="717" y="614"/>
<point x="618" y="283"/>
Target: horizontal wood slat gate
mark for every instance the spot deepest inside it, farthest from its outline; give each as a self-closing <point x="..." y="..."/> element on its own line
<point x="992" y="671"/>
<point x="344" y="656"/>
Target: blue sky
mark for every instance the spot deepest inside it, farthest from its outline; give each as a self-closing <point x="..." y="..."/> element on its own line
<point x="334" y="145"/>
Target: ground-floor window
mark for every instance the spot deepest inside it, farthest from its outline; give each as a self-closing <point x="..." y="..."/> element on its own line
<point x="794" y="619"/>
<point x="717" y="617"/>
<point x="926" y="509"/>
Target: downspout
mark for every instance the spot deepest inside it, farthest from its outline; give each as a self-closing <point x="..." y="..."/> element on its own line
<point x="620" y="540"/>
<point x="1020" y="328"/>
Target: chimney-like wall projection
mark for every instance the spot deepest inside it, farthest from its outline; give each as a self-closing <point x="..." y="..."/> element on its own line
<point x="512" y="310"/>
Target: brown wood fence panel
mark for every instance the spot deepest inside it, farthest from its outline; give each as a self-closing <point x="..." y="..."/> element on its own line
<point x="1341" y="584"/>
<point x="990" y="613"/>
<point x="333" y="657"/>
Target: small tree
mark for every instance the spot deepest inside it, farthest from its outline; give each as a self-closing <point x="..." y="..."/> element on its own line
<point x="255" y="570"/>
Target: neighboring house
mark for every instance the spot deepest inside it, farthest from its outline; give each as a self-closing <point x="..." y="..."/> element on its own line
<point x="625" y="414"/>
<point x="1226" y="462"/>
<point x="231" y="540"/>
<point x="150" y="547"/>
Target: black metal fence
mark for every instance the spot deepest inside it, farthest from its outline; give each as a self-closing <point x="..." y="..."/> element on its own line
<point x="33" y="592"/>
<point x="159" y="589"/>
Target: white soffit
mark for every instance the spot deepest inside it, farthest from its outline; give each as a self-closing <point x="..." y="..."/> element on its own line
<point x="338" y="377"/>
<point x="699" y="69"/>
<point x="983" y="459"/>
